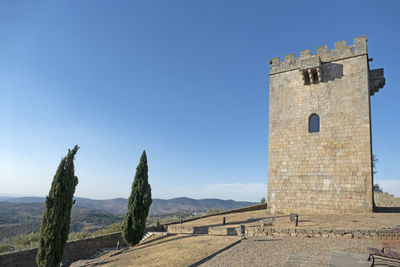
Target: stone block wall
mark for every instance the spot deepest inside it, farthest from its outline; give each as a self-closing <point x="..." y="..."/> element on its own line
<point x="19" y="259"/>
<point x="330" y="170"/>
<point x="74" y="251"/>
<point x="253" y="231"/>
<point x="384" y="234"/>
<point x="202" y="230"/>
<point x="383" y="199"/>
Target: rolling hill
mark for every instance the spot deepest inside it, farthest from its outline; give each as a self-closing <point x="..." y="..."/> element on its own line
<point x="23" y="215"/>
<point x="118" y="206"/>
<point x="23" y="218"/>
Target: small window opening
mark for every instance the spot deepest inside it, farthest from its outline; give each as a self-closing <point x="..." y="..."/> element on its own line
<point x="313" y="123"/>
<point x="314" y="76"/>
<point x="306" y="78"/>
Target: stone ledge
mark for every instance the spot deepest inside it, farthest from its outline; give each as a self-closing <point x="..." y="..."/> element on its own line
<point x="326" y="233"/>
<point x="202" y="230"/>
<point x="285" y="232"/>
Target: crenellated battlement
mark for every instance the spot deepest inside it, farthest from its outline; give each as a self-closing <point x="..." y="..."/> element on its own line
<point x="308" y="61"/>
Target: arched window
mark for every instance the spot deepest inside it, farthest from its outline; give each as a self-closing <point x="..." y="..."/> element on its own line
<point x="313" y="123"/>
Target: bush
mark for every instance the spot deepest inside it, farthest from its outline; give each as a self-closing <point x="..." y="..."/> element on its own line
<point x="377" y="188"/>
<point x="213" y="211"/>
<point x="26" y="241"/>
<point x="78" y="235"/>
<point x="113" y="228"/>
<point x="5" y="248"/>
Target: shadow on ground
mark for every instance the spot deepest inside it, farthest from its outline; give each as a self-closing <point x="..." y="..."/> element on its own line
<point x="305" y="221"/>
<point x="266" y="240"/>
<point x="387" y="209"/>
<point x="97" y="263"/>
<point x="151" y="242"/>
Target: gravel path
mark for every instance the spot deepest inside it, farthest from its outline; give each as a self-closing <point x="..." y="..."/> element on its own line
<point x="289" y="251"/>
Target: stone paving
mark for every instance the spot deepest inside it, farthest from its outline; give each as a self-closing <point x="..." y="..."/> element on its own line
<point x="296" y="251"/>
<point x="348" y="259"/>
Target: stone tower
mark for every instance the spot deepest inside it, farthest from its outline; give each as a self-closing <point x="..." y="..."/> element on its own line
<point x="319" y="148"/>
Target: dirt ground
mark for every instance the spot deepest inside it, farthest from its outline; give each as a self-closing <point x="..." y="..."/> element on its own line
<point x="320" y="221"/>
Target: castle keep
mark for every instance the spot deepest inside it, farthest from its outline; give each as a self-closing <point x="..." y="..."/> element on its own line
<point x="319" y="147"/>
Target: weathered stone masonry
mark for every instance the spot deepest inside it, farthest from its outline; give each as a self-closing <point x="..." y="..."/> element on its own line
<point x="74" y="250"/>
<point x="328" y="170"/>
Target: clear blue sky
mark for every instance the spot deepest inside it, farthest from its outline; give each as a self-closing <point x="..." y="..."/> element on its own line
<point x="185" y="80"/>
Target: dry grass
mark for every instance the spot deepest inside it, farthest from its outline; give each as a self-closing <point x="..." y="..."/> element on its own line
<point x="175" y="250"/>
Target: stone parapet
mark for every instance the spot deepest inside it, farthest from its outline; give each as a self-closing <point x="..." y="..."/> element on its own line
<point x="383" y="199"/>
<point x="384" y="233"/>
<point x="202" y="230"/>
<point x="74" y="250"/>
<point x="341" y="51"/>
<point x="393" y="233"/>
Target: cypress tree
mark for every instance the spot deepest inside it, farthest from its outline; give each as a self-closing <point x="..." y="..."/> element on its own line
<point x="138" y="204"/>
<point x="56" y="217"/>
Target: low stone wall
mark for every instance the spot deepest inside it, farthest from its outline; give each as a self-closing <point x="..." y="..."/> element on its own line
<point x="19" y="259"/>
<point x="201" y="230"/>
<point x="249" y="208"/>
<point x="393" y="233"/>
<point x="218" y="230"/>
<point x="383" y="199"/>
<point x="80" y="249"/>
<point x="74" y="250"/>
<point x="188" y="229"/>
<point x="180" y="229"/>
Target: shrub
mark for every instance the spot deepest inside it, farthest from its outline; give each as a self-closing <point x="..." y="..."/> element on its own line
<point x="23" y="241"/>
<point x="213" y="211"/>
<point x="5" y="248"/>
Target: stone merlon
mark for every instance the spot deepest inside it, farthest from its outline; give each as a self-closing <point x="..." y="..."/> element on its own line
<point x="306" y="60"/>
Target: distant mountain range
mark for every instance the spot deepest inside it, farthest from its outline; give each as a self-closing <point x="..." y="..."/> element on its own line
<point x="118" y="206"/>
<point x="21" y="215"/>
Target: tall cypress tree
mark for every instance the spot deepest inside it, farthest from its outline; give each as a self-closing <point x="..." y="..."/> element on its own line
<point x="138" y="204"/>
<point x="56" y="217"/>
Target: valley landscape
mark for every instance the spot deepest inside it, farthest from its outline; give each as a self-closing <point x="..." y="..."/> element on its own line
<point x="21" y="216"/>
